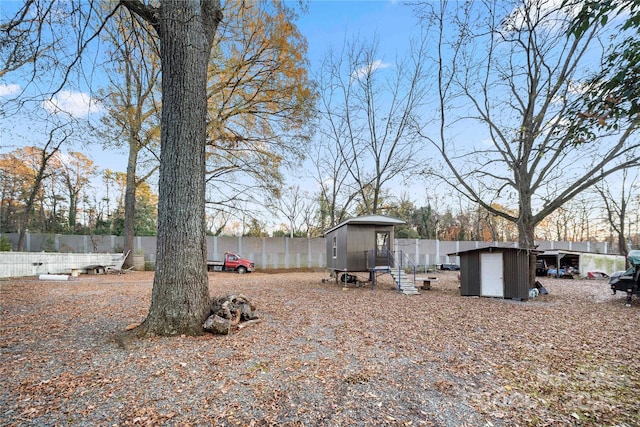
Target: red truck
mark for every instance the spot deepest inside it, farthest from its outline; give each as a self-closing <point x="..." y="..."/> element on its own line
<point x="232" y="262"/>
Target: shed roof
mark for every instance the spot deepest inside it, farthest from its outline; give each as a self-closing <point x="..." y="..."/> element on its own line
<point x="368" y="220"/>
<point x="569" y="252"/>
<point x="493" y="248"/>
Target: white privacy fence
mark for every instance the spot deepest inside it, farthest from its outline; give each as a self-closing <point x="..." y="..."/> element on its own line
<point x="18" y="264"/>
<point x="266" y="252"/>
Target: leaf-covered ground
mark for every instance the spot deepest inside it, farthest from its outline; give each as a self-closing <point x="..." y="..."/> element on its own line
<point x="323" y="356"/>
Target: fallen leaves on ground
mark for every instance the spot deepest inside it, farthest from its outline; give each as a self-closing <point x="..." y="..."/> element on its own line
<point x="323" y="355"/>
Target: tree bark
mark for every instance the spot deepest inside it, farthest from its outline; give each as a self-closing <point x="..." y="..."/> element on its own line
<point x="73" y="209"/>
<point x="180" y="296"/>
<point x="130" y="201"/>
<point x="49" y="150"/>
<point x="526" y="231"/>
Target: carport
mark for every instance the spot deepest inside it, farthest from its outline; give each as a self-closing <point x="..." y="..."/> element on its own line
<point x="583" y="262"/>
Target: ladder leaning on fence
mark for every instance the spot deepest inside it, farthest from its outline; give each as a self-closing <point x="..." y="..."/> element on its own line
<point x="117" y="268"/>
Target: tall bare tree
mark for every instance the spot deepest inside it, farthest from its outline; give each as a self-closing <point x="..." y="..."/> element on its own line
<point x="368" y="111"/>
<point x="186" y="30"/>
<point x="132" y="100"/>
<point x="76" y="171"/>
<point x="618" y="200"/>
<point x="295" y="204"/>
<point x="260" y="105"/>
<point x="508" y="73"/>
<point x="40" y="168"/>
<point x="336" y="196"/>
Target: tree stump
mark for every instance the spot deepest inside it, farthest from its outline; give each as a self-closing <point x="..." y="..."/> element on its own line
<point x="217" y="325"/>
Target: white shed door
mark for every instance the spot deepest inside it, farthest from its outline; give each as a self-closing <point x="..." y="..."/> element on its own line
<point x="491" y="277"/>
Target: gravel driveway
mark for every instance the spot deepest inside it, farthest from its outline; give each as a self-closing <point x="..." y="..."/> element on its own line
<point x="323" y="356"/>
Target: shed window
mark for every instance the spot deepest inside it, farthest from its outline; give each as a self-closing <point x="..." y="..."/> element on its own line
<point x="334" y="242"/>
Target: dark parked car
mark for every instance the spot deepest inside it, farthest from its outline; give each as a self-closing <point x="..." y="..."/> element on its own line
<point x="628" y="281"/>
<point x="541" y="267"/>
<point x="450" y="267"/>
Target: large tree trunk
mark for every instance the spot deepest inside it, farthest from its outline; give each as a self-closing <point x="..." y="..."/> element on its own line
<point x="31" y="199"/>
<point x="526" y="232"/>
<point x="180" y="297"/>
<point x="623" y="249"/>
<point x="130" y="201"/>
<point x="73" y="209"/>
<point x="622" y="220"/>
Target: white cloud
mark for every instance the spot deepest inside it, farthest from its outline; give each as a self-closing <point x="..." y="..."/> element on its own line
<point x="76" y="104"/>
<point x="549" y="14"/>
<point x="577" y="88"/>
<point x="64" y="158"/>
<point x="368" y="69"/>
<point x="573" y="88"/>
<point x="487" y="142"/>
<point x="9" y="89"/>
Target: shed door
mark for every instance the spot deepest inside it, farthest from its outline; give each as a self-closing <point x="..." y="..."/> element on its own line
<point x="491" y="277"/>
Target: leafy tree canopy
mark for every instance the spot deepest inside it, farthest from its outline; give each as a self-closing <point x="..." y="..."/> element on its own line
<point x="612" y="95"/>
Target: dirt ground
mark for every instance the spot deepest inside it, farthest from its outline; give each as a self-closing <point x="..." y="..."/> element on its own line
<point x="324" y="355"/>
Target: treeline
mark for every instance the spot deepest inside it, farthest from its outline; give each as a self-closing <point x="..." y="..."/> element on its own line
<point x="69" y="195"/>
<point x="555" y="179"/>
<point x="76" y="197"/>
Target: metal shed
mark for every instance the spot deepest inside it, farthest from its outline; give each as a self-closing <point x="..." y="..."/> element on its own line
<point x="494" y="271"/>
<point x="361" y="243"/>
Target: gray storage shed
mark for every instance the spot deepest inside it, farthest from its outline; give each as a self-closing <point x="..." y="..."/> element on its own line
<point x="494" y="271"/>
<point x="361" y="244"/>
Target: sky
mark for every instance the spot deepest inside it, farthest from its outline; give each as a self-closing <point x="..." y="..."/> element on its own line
<point x="327" y="24"/>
